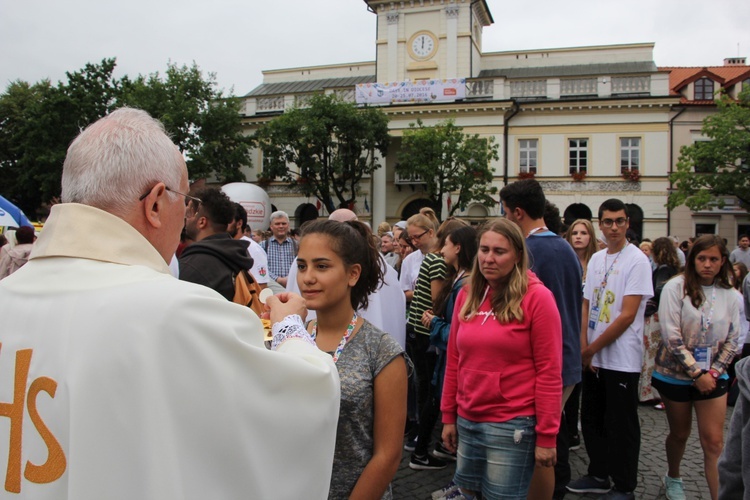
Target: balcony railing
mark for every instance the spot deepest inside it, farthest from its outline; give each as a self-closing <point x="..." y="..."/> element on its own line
<point x="275" y="103"/>
<point x="347" y="95"/>
<point x="484" y="89"/>
<point x="479" y="88"/>
<point x="528" y="88"/>
<point x="631" y="85"/>
<point x="406" y="179"/>
<point x="578" y="86"/>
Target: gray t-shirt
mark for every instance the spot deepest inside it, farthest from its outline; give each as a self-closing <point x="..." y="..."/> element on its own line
<point x="366" y="354"/>
<point x="740" y="255"/>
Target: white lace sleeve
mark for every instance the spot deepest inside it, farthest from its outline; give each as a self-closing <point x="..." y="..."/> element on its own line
<point x="290" y="327"/>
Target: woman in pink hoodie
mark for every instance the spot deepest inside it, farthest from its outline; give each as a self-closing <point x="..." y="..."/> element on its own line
<point x="502" y="393"/>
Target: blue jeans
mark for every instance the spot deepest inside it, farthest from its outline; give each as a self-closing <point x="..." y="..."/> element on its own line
<point x="496" y="459"/>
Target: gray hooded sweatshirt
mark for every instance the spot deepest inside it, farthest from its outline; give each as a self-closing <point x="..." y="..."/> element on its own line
<point x="734" y="463"/>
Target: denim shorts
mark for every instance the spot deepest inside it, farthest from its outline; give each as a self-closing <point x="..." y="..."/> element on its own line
<point x="496" y="459"/>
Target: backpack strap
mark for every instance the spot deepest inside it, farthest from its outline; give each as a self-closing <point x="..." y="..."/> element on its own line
<point x="247" y="291"/>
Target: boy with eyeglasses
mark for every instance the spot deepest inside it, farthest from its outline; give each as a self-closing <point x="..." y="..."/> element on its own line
<point x="617" y="287"/>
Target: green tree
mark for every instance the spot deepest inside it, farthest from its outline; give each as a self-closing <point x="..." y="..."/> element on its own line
<point x="204" y="124"/>
<point x="324" y="149"/>
<point x="39" y="121"/>
<point x="449" y="161"/>
<point x="709" y="170"/>
<point x="37" y="124"/>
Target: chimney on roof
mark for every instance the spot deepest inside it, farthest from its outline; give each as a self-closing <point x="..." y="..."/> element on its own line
<point x="735" y="61"/>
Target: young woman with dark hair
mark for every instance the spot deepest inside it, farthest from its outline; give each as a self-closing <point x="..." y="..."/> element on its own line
<point x="459" y="251"/>
<point x="404" y="248"/>
<point x="430" y="280"/>
<point x="667" y="264"/>
<point x="700" y="326"/>
<point x="338" y="266"/>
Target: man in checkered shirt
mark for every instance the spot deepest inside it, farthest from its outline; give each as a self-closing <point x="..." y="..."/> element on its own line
<point x="280" y="248"/>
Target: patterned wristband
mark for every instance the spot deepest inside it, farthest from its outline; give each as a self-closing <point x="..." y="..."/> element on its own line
<point x="289" y="327"/>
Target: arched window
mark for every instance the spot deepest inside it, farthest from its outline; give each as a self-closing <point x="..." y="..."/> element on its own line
<point x="576" y="211"/>
<point x="635" y="214"/>
<point x="304" y="213"/>
<point x="413" y="207"/>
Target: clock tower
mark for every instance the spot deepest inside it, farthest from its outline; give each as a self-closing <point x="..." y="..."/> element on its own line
<point x="426" y="39"/>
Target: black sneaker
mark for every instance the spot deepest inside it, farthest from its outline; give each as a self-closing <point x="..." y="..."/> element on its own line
<point x="426" y="462"/>
<point x="589" y="484"/>
<point x="442" y="453"/>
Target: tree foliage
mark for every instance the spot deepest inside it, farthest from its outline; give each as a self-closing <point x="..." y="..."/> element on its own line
<point x="325" y="148"/>
<point x="449" y="161"/>
<point x="200" y="120"/>
<point x="709" y="170"/>
<point x="38" y="122"/>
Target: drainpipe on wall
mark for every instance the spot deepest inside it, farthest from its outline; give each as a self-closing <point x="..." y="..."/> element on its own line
<point x="671" y="164"/>
<point x="471" y="30"/>
<point x="514" y="110"/>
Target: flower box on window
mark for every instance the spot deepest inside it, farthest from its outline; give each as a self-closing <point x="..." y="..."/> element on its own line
<point x="578" y="176"/>
<point x="526" y="175"/>
<point x="631" y="174"/>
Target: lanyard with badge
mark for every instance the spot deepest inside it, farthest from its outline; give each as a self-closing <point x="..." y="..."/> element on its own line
<point x="595" y="311"/>
<point x="702" y="352"/>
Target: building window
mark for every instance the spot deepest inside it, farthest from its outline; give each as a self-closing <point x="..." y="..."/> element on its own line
<point x="702" y="168"/>
<point x="704" y="89"/>
<point x="528" y="150"/>
<point x="704" y="228"/>
<point x="630" y="154"/>
<point x="578" y="156"/>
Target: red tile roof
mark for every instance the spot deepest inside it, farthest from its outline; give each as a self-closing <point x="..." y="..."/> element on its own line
<point x="723" y="75"/>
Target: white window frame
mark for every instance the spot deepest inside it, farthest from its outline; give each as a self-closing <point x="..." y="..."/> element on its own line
<point x="580" y="162"/>
<point x="528" y="155"/>
<point x="630" y="149"/>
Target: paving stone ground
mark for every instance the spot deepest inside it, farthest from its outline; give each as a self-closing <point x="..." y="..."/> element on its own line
<point x="411" y="484"/>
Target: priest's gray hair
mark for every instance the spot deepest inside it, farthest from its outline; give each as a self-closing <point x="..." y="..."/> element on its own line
<point x="117" y="159"/>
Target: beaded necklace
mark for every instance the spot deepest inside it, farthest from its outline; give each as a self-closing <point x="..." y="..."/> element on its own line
<point x="344" y="340"/>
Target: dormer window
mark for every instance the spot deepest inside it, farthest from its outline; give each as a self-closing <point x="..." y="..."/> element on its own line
<point x="704" y="89"/>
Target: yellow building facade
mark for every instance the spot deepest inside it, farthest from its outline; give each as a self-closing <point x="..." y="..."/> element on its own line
<point x="589" y="123"/>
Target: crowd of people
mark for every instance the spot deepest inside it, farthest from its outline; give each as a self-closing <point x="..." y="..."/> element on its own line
<point x="511" y="336"/>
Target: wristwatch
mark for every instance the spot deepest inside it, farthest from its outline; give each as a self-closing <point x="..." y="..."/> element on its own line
<point x="695" y="379"/>
<point x="714" y="373"/>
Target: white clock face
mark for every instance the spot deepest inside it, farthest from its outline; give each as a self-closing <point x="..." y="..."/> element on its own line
<point x="423" y="45"/>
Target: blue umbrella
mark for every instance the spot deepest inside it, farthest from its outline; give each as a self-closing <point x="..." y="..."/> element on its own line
<point x="14" y="212"/>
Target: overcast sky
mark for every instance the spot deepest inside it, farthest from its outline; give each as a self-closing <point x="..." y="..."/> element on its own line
<point x="238" y="39"/>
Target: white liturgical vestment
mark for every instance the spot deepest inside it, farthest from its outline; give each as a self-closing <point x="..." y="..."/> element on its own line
<point x="118" y="381"/>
